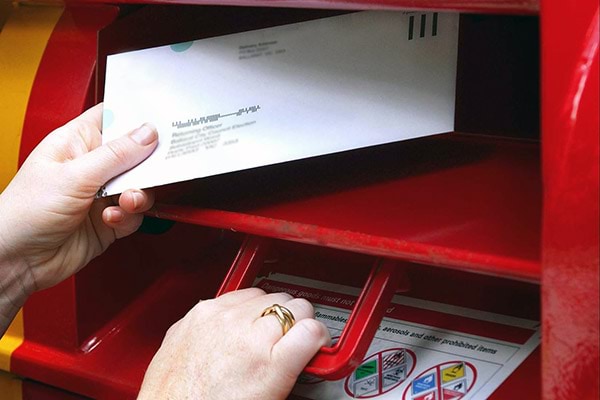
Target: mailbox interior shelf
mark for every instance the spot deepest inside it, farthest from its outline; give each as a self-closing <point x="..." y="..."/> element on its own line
<point x="460" y="201"/>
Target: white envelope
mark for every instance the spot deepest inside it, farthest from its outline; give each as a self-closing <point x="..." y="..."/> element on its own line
<point x="285" y="93"/>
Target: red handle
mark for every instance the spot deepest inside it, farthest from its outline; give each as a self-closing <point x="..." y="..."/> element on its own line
<point x="341" y="359"/>
<point x="246" y="265"/>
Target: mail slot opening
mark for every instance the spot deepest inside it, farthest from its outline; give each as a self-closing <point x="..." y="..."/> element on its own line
<point x="350" y="269"/>
<point x="497" y="91"/>
<point x="471" y="196"/>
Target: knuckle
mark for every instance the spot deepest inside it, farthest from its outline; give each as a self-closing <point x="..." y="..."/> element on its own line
<point x="78" y="125"/>
<point x="313" y="329"/>
<point x="229" y="317"/>
<point x="281" y="297"/>
<point x="255" y="291"/>
<point x="304" y="306"/>
<point x="199" y="310"/>
<point x="117" y="151"/>
<point x="85" y="129"/>
<point x="173" y="329"/>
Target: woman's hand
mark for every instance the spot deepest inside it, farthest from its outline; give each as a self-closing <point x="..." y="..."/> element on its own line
<point x="224" y="349"/>
<point x="50" y="225"/>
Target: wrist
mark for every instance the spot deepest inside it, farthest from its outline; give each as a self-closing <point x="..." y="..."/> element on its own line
<point x="16" y="283"/>
<point x="15" y="288"/>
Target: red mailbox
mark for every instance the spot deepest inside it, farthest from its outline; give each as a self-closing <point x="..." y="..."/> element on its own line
<point x="500" y="215"/>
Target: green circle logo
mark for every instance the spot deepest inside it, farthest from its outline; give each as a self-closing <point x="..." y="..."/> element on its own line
<point x="181" y="47"/>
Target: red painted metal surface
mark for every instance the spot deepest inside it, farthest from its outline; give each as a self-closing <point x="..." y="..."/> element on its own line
<point x="524" y="383"/>
<point x="478" y="6"/>
<point x="37" y="391"/>
<point x="474" y="204"/>
<point x="246" y="265"/>
<point x="474" y="207"/>
<point x="348" y="352"/>
<point x="64" y="81"/>
<point x="571" y="197"/>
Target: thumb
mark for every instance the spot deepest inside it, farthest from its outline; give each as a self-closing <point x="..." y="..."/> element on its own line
<point x="296" y="348"/>
<point x="117" y="156"/>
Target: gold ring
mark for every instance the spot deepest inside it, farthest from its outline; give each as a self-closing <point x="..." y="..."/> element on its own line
<point x="284" y="316"/>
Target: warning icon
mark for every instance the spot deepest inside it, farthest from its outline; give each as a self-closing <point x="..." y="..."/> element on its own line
<point x="394" y="376"/>
<point x="380" y="373"/>
<point x="427" y="396"/>
<point x="451" y="380"/>
<point x="457" y="386"/>
<point x="366" y="369"/>
<point x="448" y="394"/>
<point x="453" y="372"/>
<point x="365" y="386"/>
<point x="423" y="383"/>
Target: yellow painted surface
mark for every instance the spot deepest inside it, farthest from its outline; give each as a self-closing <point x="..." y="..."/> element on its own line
<point x="10" y="341"/>
<point x="22" y="43"/>
<point x="10" y="387"/>
<point x="23" y="39"/>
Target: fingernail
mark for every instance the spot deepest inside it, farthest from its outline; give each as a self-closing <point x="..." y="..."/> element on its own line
<point x="144" y="135"/>
<point x="113" y="215"/>
<point x="137" y="199"/>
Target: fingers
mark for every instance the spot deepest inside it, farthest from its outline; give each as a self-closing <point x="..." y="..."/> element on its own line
<point x="113" y="158"/>
<point x="269" y="326"/>
<point x="262" y="302"/>
<point x="126" y="218"/>
<point x="292" y="351"/>
<point x="296" y="348"/>
<point x="105" y="236"/>
<point x="122" y="222"/>
<point x="136" y="201"/>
